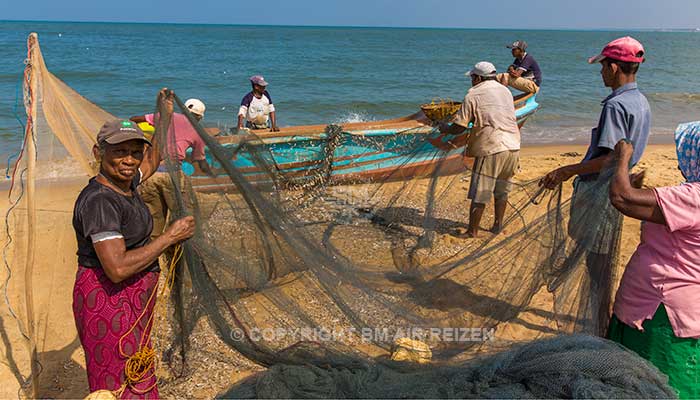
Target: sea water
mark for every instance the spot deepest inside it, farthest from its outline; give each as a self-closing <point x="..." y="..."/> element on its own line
<point x="320" y="75"/>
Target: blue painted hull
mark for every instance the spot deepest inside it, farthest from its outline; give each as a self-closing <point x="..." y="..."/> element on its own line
<point x="395" y="149"/>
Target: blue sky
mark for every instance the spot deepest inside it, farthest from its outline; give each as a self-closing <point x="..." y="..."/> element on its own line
<point x="547" y="14"/>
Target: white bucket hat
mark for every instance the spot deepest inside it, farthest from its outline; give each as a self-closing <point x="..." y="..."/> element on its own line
<point x="483" y="68"/>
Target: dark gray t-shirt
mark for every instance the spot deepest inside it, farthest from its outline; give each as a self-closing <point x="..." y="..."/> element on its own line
<point x="101" y="211"/>
<point x="625" y="115"/>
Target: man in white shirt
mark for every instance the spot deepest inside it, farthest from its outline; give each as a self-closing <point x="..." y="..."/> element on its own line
<point x="257" y="108"/>
<point x="493" y="141"/>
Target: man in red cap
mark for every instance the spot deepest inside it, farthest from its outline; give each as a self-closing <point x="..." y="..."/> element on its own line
<point x="594" y="223"/>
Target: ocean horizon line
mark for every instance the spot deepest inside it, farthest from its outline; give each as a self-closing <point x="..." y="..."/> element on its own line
<point x="214" y="24"/>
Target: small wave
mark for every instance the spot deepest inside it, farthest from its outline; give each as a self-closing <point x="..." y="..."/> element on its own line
<point x="694" y="97"/>
<point x="354" y="116"/>
<point x="83" y="74"/>
<point x="11" y="78"/>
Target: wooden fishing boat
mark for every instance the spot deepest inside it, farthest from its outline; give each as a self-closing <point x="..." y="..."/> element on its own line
<point x="392" y="149"/>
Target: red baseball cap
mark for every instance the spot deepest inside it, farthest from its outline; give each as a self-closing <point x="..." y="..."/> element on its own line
<point x="623" y="49"/>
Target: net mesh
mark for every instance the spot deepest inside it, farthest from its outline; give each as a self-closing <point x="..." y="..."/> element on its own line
<point x="317" y="248"/>
<point x="562" y="367"/>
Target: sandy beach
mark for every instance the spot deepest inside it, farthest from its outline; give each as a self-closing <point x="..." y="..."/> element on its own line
<point x="62" y="359"/>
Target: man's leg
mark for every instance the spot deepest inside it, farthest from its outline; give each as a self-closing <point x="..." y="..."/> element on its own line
<point x="172" y="206"/>
<point x="524" y="85"/>
<point x="600" y="267"/>
<point x="595" y="226"/>
<point x="481" y="189"/>
<point x="519" y="83"/>
<point x="506" y="165"/>
<point x="151" y="192"/>
<point x="499" y="211"/>
<point x="476" y="211"/>
<point x="503" y="78"/>
<point x="157" y="193"/>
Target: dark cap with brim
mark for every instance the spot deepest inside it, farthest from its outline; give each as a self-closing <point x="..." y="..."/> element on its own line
<point x="518" y="44"/>
<point x="120" y="131"/>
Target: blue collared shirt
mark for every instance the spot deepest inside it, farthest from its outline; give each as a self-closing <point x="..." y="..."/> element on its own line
<point x="625" y="115"/>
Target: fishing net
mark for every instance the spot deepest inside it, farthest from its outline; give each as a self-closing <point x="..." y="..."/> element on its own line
<point x="38" y="337"/>
<point x="563" y="367"/>
<point x="320" y="249"/>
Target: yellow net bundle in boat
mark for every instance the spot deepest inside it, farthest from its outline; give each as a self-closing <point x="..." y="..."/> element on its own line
<point x="440" y="110"/>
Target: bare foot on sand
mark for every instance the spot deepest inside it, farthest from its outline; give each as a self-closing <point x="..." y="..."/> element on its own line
<point x="462" y="233"/>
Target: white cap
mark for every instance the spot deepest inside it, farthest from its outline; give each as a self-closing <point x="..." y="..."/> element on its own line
<point x="196" y="106"/>
<point x="483" y="68"/>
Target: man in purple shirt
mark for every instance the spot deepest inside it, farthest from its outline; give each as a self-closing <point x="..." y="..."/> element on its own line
<point x="524" y="74"/>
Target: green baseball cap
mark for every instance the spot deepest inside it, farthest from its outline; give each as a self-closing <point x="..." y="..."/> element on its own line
<point x="120" y="131"/>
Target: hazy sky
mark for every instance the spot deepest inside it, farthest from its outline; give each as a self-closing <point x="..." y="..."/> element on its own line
<point x="586" y="14"/>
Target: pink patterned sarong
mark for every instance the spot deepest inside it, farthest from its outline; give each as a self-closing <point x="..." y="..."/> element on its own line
<point x="104" y="312"/>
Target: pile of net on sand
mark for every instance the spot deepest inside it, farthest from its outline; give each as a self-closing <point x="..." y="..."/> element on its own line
<point x="576" y="367"/>
<point x="314" y="277"/>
